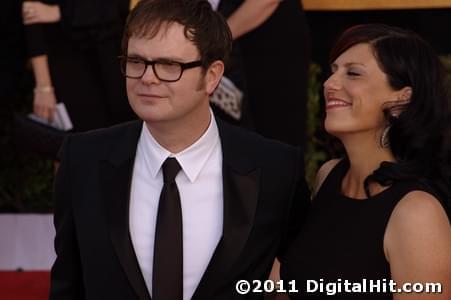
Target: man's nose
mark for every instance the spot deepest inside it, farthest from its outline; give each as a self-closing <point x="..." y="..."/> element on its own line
<point x="149" y="76"/>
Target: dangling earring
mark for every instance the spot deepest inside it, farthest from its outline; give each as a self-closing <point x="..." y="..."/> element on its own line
<point x="384" y="142"/>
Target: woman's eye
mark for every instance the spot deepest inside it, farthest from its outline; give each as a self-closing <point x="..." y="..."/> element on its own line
<point x="353" y="73"/>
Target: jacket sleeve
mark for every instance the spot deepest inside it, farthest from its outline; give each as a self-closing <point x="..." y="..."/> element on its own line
<point x="300" y="204"/>
<point x="35" y="35"/>
<point x="36" y="40"/>
<point x="66" y="274"/>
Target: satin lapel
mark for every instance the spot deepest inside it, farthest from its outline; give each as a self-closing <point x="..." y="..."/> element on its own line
<point x="116" y="174"/>
<point x="240" y="191"/>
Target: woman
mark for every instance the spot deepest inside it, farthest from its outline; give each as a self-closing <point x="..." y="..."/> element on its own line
<point x="270" y="63"/>
<point x="73" y="46"/>
<point x="380" y="212"/>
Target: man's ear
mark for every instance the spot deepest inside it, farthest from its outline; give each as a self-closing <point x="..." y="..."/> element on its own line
<point x="213" y="75"/>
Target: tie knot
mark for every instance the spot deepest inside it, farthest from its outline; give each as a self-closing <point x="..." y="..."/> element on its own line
<point x="171" y="168"/>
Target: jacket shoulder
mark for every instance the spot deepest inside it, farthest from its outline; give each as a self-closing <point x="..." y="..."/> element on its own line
<point x="99" y="141"/>
<point x="254" y="147"/>
<point x="107" y="133"/>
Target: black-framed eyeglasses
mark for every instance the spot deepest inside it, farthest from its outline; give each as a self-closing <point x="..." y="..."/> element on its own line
<point x="164" y="70"/>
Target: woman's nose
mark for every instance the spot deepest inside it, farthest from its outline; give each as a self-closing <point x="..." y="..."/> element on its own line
<point x="332" y="83"/>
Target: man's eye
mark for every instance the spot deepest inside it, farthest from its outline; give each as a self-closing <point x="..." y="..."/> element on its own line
<point x="167" y="63"/>
<point x="134" y="61"/>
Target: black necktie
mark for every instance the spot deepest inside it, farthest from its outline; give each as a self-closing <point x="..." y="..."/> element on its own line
<point x="167" y="278"/>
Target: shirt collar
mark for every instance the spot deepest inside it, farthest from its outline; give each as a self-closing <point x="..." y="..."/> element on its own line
<point x="191" y="159"/>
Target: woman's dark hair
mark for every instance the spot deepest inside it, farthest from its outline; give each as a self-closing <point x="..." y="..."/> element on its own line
<point x="417" y="134"/>
<point x="205" y="27"/>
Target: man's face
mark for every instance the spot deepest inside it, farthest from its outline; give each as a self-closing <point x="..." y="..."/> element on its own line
<point x="159" y="102"/>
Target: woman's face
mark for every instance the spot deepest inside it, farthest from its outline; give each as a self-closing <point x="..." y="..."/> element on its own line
<point x="356" y="92"/>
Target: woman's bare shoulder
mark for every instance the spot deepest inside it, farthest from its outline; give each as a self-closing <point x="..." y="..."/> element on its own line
<point x="322" y="173"/>
<point x="417" y="241"/>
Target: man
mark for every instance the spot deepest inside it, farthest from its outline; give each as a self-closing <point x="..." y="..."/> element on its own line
<point x="235" y="203"/>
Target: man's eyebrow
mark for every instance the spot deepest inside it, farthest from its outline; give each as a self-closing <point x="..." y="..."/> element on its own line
<point x="167" y="58"/>
<point x="133" y="55"/>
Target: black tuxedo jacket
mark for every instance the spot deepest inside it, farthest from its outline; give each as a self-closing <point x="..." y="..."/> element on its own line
<point x="265" y="198"/>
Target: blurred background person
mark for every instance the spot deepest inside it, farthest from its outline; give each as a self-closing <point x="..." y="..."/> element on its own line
<point x="73" y="46"/>
<point x="273" y="42"/>
<point x="380" y="212"/>
<point x="12" y="70"/>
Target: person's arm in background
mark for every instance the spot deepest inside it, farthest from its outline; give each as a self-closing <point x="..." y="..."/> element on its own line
<point x="250" y="15"/>
<point x="44" y="100"/>
<point x="37" y="12"/>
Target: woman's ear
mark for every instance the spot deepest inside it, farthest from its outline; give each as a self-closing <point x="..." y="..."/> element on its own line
<point x="396" y="107"/>
<point x="405" y="94"/>
<point x="403" y="101"/>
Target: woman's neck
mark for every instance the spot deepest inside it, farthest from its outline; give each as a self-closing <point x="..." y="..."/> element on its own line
<point x="365" y="156"/>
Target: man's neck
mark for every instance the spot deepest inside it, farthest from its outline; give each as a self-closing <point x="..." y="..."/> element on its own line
<point x="176" y="136"/>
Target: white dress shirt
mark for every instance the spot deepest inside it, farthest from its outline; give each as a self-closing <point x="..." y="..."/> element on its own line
<point x="201" y="194"/>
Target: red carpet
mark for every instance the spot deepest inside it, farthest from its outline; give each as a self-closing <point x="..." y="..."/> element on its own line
<point x="24" y="285"/>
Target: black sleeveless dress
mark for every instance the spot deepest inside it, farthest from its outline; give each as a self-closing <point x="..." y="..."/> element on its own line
<point x="342" y="239"/>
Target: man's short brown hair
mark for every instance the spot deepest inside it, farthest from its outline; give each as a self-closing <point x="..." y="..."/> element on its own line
<point x="205" y="27"/>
